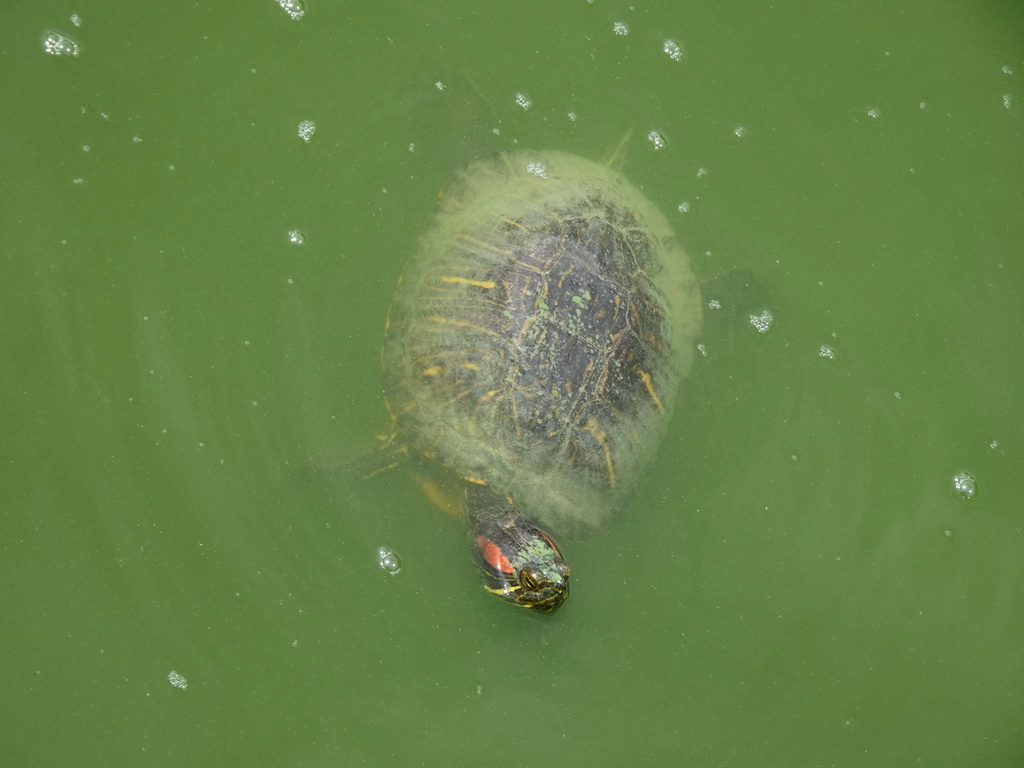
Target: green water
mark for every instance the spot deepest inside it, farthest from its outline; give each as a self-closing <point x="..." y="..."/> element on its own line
<point x="798" y="583"/>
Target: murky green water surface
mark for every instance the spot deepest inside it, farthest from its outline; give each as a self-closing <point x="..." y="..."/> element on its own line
<point x="798" y="583"/>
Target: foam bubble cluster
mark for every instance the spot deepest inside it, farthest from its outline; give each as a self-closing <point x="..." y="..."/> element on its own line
<point x="295" y="9"/>
<point x="673" y="50"/>
<point x="177" y="680"/>
<point x="57" y="44"/>
<point x="306" y="130"/>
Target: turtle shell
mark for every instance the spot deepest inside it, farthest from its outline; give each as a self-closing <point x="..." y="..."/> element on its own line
<point x="539" y="334"/>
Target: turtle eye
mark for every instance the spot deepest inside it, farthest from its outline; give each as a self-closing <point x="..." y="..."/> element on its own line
<point x="528" y="579"/>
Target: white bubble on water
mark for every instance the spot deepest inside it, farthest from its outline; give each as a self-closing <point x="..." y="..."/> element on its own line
<point x="57" y="44"/>
<point x="619" y="28"/>
<point x="306" y="130"/>
<point x="739" y="132"/>
<point x="524" y="101"/>
<point x="389" y="561"/>
<point x="1007" y="100"/>
<point x="537" y="169"/>
<point x="76" y="19"/>
<point x="657" y="140"/>
<point x="295" y="9"/>
<point x="673" y="50"/>
<point x="763" y="321"/>
<point x="965" y="484"/>
<point x="177" y="680"/>
<point x="683" y="207"/>
<point x="827" y="352"/>
<point x="296" y="237"/>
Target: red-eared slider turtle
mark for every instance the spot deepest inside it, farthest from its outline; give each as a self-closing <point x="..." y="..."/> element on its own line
<point x="534" y="348"/>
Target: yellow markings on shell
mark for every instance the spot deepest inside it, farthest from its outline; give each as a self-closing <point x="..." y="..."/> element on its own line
<point x="394" y="411"/>
<point x="515" y="417"/>
<point x="471" y="366"/>
<point x="564" y="275"/>
<point x="645" y="377"/>
<point x="461" y="324"/>
<point x="474" y="480"/>
<point x="527" y="266"/>
<point x="485" y="245"/>
<point x="593" y="427"/>
<point x="461" y="395"/>
<point x="488" y="284"/>
<point x="527" y="325"/>
<point x="433" y="370"/>
<point x="490" y="395"/>
<point x="571" y="459"/>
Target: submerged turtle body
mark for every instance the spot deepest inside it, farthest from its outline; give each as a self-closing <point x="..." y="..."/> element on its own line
<point x="538" y="336"/>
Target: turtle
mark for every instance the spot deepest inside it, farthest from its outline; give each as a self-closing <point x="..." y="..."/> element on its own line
<point x="534" y="348"/>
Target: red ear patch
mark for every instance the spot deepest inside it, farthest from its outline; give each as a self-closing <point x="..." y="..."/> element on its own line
<point x="493" y="555"/>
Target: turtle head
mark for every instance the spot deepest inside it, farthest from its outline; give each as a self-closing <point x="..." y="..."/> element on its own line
<point x="523" y="566"/>
<point x="517" y="561"/>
